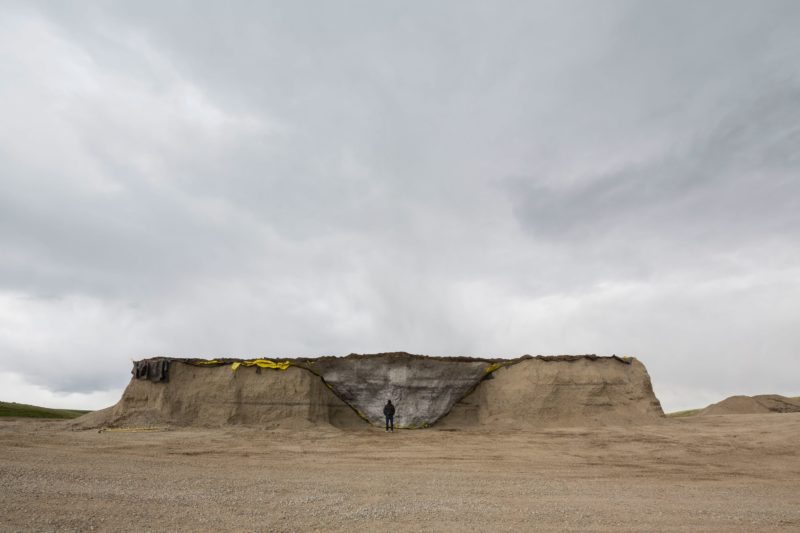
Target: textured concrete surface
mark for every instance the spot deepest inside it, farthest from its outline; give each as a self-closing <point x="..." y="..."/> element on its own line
<point x="423" y="389"/>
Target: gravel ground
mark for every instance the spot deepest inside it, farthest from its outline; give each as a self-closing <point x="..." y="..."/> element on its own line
<point x="717" y="473"/>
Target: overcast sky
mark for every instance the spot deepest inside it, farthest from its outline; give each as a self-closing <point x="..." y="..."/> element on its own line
<point x="447" y="178"/>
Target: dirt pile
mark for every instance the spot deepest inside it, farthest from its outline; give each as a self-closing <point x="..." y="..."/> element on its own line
<point x="745" y="405"/>
<point x="560" y="391"/>
<point x="343" y="392"/>
<point x="215" y="396"/>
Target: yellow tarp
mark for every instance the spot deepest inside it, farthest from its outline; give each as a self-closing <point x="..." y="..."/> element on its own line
<point x="492" y="367"/>
<point x="263" y="363"/>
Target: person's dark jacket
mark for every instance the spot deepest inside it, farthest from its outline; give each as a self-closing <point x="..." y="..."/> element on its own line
<point x="388" y="410"/>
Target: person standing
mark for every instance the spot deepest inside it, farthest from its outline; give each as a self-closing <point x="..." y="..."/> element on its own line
<point x="388" y="412"/>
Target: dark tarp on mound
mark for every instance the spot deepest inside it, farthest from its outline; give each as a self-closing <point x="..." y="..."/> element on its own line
<point x="155" y="370"/>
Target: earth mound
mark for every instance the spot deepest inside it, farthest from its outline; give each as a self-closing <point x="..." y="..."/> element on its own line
<point x="744" y="405"/>
<point x="215" y="396"/>
<point x="346" y="391"/>
<point x="560" y="391"/>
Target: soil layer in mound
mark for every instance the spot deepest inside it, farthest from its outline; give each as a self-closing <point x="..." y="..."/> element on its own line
<point x="551" y="391"/>
<point x="215" y="396"/>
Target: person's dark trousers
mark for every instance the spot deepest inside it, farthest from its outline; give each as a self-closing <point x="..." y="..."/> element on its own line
<point x="389" y="423"/>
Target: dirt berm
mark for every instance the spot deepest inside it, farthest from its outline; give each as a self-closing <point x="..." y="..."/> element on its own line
<point x="746" y="405"/>
<point x="344" y="391"/>
<point x="560" y="391"/>
<point x="215" y="396"/>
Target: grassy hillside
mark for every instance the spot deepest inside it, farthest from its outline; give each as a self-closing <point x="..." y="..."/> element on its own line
<point x="32" y="411"/>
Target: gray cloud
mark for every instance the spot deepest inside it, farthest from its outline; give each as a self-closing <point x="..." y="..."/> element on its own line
<point x="734" y="184"/>
<point x="458" y="178"/>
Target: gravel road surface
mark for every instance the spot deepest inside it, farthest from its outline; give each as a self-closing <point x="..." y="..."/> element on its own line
<point x="716" y="473"/>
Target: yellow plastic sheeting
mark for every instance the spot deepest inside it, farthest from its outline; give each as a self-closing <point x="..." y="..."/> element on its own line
<point x="263" y="363"/>
<point x="492" y="367"/>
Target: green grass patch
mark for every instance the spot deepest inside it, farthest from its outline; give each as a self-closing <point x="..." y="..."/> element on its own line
<point x="680" y="414"/>
<point x="33" y="411"/>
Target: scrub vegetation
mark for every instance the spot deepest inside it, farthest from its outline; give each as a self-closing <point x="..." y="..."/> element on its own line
<point x="33" y="411"/>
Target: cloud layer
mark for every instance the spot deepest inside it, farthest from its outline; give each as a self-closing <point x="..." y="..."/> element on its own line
<point x="286" y="180"/>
